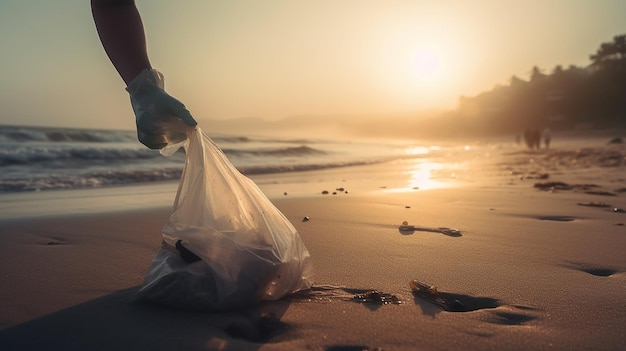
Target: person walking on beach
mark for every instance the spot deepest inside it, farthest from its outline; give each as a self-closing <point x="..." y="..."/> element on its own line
<point x="160" y="118"/>
<point x="547" y="137"/>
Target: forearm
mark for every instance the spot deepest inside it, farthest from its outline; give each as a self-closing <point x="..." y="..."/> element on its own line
<point x="122" y="35"/>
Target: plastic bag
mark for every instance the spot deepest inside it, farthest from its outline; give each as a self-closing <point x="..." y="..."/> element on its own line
<point x="246" y="250"/>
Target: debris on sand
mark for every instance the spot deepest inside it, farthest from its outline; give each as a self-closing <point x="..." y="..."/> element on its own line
<point x="553" y="186"/>
<point x="598" y="192"/>
<point x="594" y="204"/>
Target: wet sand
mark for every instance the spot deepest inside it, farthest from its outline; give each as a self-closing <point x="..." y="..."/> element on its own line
<point x="536" y="265"/>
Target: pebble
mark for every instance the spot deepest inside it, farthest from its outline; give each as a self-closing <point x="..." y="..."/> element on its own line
<point x="305" y="219"/>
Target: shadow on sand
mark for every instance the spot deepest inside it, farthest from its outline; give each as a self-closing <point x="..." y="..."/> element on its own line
<point x="116" y="322"/>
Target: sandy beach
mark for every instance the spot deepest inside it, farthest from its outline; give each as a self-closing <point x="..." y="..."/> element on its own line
<point x="538" y="264"/>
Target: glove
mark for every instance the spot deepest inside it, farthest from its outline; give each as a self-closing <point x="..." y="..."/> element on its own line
<point x="161" y="119"/>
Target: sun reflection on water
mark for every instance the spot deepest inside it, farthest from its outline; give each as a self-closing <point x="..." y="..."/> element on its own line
<point x="416" y="150"/>
<point x="420" y="150"/>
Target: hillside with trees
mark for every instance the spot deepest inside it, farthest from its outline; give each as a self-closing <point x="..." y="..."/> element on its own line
<point x="592" y="97"/>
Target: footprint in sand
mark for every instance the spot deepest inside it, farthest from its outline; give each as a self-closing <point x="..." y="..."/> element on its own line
<point x="494" y="311"/>
<point x="557" y="218"/>
<point x="600" y="272"/>
<point x="450" y="302"/>
<point x="55" y="241"/>
<point x="591" y="269"/>
<point x="508" y="315"/>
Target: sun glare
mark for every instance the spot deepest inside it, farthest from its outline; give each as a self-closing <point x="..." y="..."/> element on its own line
<point x="426" y="65"/>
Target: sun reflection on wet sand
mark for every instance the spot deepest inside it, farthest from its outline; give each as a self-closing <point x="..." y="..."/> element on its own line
<point x="424" y="175"/>
<point x="427" y="168"/>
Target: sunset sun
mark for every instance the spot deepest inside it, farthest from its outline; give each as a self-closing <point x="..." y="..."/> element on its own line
<point x="426" y="65"/>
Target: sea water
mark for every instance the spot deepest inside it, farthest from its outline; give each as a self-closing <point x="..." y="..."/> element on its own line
<point x="91" y="166"/>
<point x="40" y="159"/>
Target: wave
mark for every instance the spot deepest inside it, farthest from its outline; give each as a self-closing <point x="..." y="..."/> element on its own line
<point x="251" y="170"/>
<point x="49" y="134"/>
<point x="26" y="154"/>
<point x="26" y="134"/>
<point x="88" y="180"/>
<point x="277" y="152"/>
<point x="44" y="158"/>
<point x="39" y="182"/>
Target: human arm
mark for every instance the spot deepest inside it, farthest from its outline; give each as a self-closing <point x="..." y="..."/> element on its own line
<point x="121" y="32"/>
<point x="158" y="115"/>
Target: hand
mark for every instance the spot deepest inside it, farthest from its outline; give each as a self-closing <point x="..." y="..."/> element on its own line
<point x="161" y="119"/>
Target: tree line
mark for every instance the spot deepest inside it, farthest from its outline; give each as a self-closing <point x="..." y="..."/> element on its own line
<point x="592" y="97"/>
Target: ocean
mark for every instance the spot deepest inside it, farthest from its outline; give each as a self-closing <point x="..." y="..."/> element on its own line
<point x="56" y="171"/>
<point x="34" y="159"/>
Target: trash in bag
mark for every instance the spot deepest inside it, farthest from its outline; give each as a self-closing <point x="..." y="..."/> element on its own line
<point x="225" y="246"/>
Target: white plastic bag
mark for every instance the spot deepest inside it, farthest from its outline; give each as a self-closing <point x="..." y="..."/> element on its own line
<point x="247" y="250"/>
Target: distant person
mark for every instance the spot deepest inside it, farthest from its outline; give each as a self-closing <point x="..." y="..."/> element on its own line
<point x="547" y="137"/>
<point x="122" y="35"/>
<point x="532" y="137"/>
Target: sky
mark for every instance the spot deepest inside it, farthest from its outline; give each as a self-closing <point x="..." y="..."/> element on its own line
<point x="274" y="59"/>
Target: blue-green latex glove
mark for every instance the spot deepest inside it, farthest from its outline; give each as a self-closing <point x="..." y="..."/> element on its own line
<point x="161" y="119"/>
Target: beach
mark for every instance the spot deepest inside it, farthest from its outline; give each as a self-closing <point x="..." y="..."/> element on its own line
<point x="537" y="263"/>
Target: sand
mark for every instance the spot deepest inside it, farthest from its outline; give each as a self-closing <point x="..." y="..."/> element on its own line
<point x="534" y="268"/>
